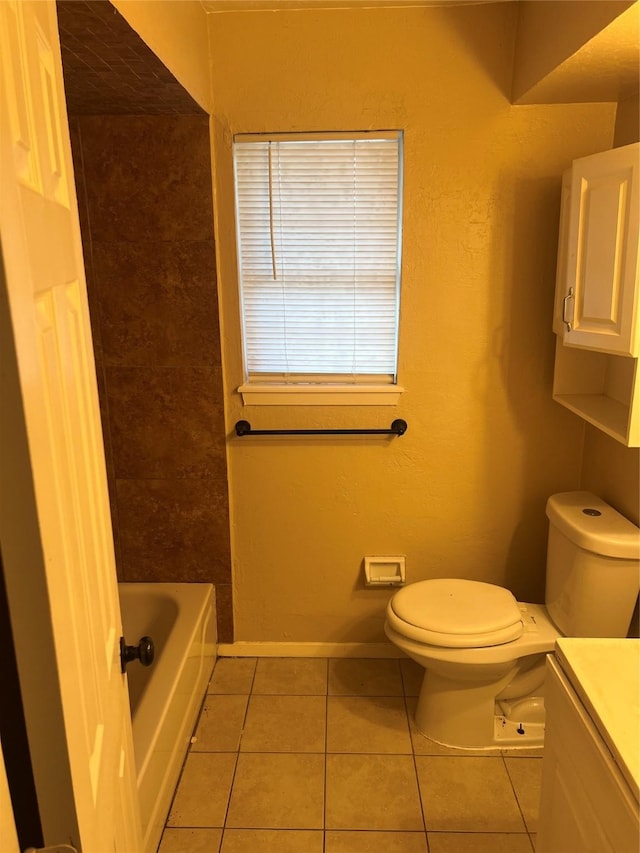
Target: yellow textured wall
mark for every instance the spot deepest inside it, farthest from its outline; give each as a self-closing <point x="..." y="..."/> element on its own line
<point x="463" y="492"/>
<point x="176" y="31"/>
<point x="627" y="129"/>
<point x="612" y="471"/>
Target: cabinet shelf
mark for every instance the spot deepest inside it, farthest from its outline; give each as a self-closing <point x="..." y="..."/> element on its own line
<point x="601" y="388"/>
<point x="607" y="414"/>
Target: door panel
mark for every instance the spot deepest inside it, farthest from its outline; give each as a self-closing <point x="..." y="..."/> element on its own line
<point x="57" y="540"/>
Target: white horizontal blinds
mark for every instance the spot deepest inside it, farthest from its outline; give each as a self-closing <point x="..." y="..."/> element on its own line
<point x="318" y="233"/>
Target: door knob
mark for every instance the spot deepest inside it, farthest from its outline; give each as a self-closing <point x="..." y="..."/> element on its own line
<point x="144" y="652"/>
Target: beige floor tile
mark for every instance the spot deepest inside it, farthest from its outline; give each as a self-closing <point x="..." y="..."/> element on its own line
<point x="461" y="794"/>
<point x="526" y="776"/>
<point x="295" y="676"/>
<point x="364" y="677"/>
<point x="375" y="842"/>
<point x="272" y="841"/>
<point x="220" y="724"/>
<point x="190" y="841"/>
<point x="276" y="804"/>
<point x="372" y="792"/>
<point x="203" y="791"/>
<point x="478" y="842"/>
<point x="375" y="724"/>
<point x="285" y="724"/>
<point x="412" y="676"/>
<point x="232" y="675"/>
<point x="277" y="791"/>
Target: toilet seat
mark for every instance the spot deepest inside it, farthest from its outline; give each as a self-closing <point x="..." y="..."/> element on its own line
<point x="455" y="613"/>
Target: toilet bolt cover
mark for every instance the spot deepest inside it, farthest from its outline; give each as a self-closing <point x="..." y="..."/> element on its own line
<point x="457" y="607"/>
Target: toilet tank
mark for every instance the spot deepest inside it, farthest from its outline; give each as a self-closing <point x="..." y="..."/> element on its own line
<point x="593" y="566"/>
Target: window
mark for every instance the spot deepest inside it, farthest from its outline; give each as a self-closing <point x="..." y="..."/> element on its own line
<point x="318" y="230"/>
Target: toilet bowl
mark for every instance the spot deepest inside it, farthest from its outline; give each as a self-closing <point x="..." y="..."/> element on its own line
<point x="484" y="652"/>
<point x="474" y="680"/>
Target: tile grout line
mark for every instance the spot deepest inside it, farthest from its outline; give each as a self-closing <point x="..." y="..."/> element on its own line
<point x="235" y="769"/>
<point x="515" y="794"/>
<point x="413" y="755"/>
<point x="326" y="752"/>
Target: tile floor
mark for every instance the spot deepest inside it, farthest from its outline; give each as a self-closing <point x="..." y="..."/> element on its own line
<point x="299" y="755"/>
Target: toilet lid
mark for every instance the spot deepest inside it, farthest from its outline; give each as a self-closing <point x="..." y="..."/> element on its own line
<point x="458" y="613"/>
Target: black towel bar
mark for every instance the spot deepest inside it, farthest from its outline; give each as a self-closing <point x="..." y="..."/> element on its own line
<point x="398" y="427"/>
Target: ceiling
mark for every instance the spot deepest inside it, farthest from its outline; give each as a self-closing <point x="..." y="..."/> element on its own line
<point x="108" y="69"/>
<point x="606" y="67"/>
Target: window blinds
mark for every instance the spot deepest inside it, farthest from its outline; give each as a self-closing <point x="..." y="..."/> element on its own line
<point x="318" y="223"/>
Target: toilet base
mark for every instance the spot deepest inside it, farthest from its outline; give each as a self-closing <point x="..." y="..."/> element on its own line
<point x="521" y="734"/>
<point x="506" y="735"/>
<point x="467" y="716"/>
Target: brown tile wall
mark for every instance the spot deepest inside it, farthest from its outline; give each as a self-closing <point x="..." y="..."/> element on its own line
<point x="107" y="65"/>
<point x="146" y="210"/>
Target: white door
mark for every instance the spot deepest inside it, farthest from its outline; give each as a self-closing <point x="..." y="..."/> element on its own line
<point x="601" y="297"/>
<point x="55" y="529"/>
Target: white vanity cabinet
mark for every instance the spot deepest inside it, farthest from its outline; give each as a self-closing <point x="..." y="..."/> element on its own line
<point x="589" y="798"/>
<point x="597" y="304"/>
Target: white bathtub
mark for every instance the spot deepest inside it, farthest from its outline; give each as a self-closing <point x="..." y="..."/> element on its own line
<point x="166" y="696"/>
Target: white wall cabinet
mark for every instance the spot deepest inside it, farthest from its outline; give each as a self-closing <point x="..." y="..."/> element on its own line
<point x="586" y="803"/>
<point x="597" y="304"/>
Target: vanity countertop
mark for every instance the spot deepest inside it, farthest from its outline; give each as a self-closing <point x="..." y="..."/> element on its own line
<point x="606" y="675"/>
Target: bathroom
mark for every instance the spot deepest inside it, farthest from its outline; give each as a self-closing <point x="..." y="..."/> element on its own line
<point x="466" y="486"/>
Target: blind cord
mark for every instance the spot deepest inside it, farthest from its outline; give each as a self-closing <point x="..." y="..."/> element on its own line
<point x="271" y="234"/>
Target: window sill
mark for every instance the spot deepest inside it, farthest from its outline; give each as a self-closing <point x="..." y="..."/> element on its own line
<point x="320" y="395"/>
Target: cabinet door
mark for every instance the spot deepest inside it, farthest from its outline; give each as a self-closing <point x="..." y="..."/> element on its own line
<point x="600" y="302"/>
<point x="586" y="805"/>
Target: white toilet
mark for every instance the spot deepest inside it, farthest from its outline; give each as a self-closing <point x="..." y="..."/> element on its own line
<point x="484" y="652"/>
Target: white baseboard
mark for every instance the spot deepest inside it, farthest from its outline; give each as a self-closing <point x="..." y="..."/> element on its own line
<point x="309" y="650"/>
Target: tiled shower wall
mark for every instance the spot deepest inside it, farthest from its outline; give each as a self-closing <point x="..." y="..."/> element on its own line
<point x="144" y="191"/>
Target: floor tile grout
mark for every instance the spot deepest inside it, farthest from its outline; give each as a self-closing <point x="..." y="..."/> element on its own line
<point x="326" y="746"/>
